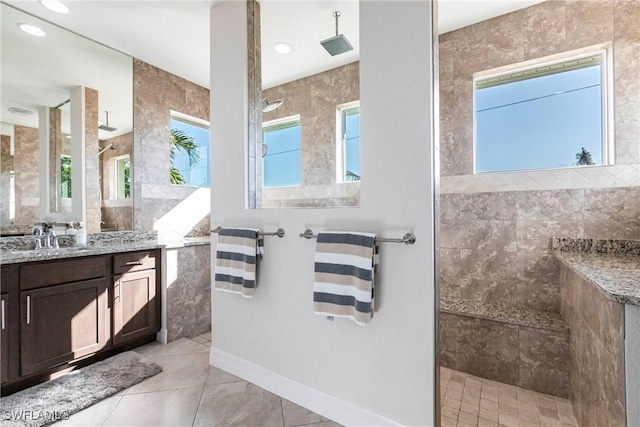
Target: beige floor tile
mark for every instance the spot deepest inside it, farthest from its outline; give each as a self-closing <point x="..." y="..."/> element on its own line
<point x="450" y="412"/>
<point x="218" y="376"/>
<point x="148" y="350"/>
<point x="487" y="423"/>
<point x="447" y="421"/>
<point x="295" y="415"/>
<point x="549" y="413"/>
<point x="163" y="408"/>
<point x="451" y="403"/>
<point x="489" y="405"/>
<point x="323" y="424"/>
<point x="508" y="410"/>
<point x="489" y="415"/>
<point x="508" y="421"/>
<point x="181" y="346"/>
<point x="180" y="371"/>
<point x="94" y="415"/>
<point x="238" y="404"/>
<point x="468" y="408"/>
<point x="467" y="419"/>
<point x="546" y="401"/>
<point x="453" y="394"/>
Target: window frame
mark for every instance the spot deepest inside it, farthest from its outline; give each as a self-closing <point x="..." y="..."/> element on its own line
<point x="606" y="102"/>
<point x="275" y="124"/>
<point x="341" y="157"/>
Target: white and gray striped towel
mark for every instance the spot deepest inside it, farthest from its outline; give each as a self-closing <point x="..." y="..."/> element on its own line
<point x="344" y="275"/>
<point x="237" y="255"/>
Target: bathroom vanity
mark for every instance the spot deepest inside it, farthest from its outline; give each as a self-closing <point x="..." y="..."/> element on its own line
<point x="71" y="307"/>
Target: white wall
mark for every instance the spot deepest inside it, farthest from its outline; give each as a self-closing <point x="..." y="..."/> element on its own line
<point x="384" y="369"/>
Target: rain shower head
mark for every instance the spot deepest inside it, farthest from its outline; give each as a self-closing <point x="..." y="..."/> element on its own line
<point x="270" y="106"/>
<point x="106" y="125"/>
<point x="337" y="44"/>
<point x="108" y="147"/>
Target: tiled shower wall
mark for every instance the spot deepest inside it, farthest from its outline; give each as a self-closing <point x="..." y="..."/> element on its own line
<point x="25" y="162"/>
<point x="116" y="214"/>
<point x="598" y="353"/>
<point x="496" y="227"/>
<point x="155" y="93"/>
<point x="315" y="99"/>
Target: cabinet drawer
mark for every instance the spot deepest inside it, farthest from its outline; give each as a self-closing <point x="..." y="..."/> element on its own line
<point x="134" y="261"/>
<point x="58" y="272"/>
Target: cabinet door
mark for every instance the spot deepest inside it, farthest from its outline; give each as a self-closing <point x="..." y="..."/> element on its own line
<point x="4" y="337"/>
<point x="134" y="306"/>
<point x="62" y="323"/>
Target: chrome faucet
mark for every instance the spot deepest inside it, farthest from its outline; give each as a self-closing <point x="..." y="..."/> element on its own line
<point x="45" y="235"/>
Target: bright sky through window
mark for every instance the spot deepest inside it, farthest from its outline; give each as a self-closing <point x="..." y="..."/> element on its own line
<point x="282" y="162"/>
<point x="351" y="129"/>
<point x="540" y="122"/>
<point x="194" y="175"/>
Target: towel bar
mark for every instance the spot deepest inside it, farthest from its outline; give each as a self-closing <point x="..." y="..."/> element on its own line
<point x="279" y="232"/>
<point x="407" y="239"/>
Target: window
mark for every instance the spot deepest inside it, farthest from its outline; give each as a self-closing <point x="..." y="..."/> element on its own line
<point x="281" y="164"/>
<point x="550" y="116"/>
<point x="189" y="151"/>
<point x="349" y="142"/>
<point x="65" y="176"/>
<point x="123" y="177"/>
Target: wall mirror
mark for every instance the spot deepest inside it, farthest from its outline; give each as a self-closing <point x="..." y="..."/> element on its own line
<point x="40" y="74"/>
<point x="304" y="96"/>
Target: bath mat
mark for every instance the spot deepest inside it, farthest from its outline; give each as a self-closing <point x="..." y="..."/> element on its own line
<point x="57" y="399"/>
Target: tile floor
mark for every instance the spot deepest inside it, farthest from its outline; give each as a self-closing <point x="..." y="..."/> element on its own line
<point x="189" y="392"/>
<point x="467" y="400"/>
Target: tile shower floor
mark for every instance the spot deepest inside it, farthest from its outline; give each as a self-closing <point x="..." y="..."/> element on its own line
<point x="466" y="400"/>
<point x="189" y="392"/>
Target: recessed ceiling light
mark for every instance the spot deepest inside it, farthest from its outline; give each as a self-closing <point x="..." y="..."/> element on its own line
<point x="21" y="111"/>
<point x="55" y="5"/>
<point x="283" y="48"/>
<point x="32" y="29"/>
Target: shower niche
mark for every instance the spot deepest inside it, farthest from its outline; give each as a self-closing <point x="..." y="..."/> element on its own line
<point x="304" y="101"/>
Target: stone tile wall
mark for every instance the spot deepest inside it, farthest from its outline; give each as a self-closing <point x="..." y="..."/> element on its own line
<point x="597" y="361"/>
<point x="534" y="359"/>
<point x="27" y="176"/>
<point x="6" y="170"/>
<point x="157" y="92"/>
<point x="495" y="247"/>
<point x="92" y="165"/>
<point x="188" y="291"/>
<point x="315" y="99"/>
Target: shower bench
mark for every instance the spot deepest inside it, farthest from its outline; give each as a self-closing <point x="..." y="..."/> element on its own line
<point x="513" y="345"/>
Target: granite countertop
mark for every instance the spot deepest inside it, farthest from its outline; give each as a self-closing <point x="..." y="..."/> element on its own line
<point x="505" y="313"/>
<point x="17" y="256"/>
<point x="616" y="276"/>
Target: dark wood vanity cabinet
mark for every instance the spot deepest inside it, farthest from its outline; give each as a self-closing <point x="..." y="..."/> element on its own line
<point x="63" y="323"/>
<point x="135" y="311"/>
<point x="75" y="310"/>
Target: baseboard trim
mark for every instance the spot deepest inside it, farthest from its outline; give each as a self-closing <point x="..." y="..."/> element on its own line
<point x="161" y="336"/>
<point x="328" y="406"/>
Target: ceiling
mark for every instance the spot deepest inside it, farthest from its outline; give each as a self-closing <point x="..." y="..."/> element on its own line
<point x="174" y="34"/>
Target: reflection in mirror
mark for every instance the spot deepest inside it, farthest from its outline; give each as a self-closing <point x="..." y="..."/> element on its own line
<point x="305" y="118"/>
<point x="37" y="105"/>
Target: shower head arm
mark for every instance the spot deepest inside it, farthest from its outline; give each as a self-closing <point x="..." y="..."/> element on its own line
<point x="337" y="15"/>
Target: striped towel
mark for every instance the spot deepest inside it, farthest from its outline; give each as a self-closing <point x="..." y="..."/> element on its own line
<point x="238" y="252"/>
<point x="344" y="270"/>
